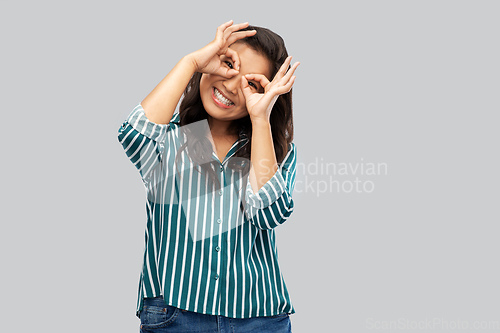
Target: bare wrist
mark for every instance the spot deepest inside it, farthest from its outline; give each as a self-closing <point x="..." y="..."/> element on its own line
<point x="190" y="61"/>
<point x="260" y="122"/>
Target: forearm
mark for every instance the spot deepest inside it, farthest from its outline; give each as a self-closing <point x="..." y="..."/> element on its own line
<point x="263" y="156"/>
<point x="160" y="104"/>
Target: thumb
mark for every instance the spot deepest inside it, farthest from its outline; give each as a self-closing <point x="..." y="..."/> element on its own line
<point x="232" y="72"/>
<point x="247" y="92"/>
<point x="227" y="73"/>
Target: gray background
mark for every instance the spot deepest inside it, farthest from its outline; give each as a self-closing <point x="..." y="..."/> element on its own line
<point x="413" y="84"/>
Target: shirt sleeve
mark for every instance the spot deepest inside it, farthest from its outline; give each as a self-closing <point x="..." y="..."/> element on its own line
<point x="143" y="141"/>
<point x="272" y="204"/>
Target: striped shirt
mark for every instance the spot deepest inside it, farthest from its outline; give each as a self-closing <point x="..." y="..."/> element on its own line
<point x="202" y="252"/>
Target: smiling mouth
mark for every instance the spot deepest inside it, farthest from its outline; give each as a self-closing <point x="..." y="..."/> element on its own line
<point x="221" y="98"/>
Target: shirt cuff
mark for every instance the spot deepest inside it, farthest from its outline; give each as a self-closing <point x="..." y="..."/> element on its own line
<point x="268" y="193"/>
<point x="138" y="120"/>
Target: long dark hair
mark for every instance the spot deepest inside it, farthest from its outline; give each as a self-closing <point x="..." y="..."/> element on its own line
<point x="191" y="110"/>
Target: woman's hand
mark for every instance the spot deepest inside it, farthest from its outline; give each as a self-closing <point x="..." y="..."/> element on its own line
<point x="208" y="59"/>
<point x="259" y="105"/>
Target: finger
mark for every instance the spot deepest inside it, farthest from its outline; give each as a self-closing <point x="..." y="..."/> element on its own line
<point x="240" y="35"/>
<point x="232" y="28"/>
<point x="262" y="79"/>
<point x="281" y="72"/>
<point x="290" y="72"/>
<point x="287" y="87"/>
<point x="235" y="57"/>
<point x="222" y="28"/>
<point x="245" y="87"/>
<point x="226" y="72"/>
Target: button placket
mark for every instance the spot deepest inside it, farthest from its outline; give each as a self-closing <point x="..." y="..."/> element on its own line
<point x="219" y="219"/>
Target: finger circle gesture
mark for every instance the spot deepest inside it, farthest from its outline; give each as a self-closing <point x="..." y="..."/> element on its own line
<point x="208" y="59"/>
<point x="259" y="105"/>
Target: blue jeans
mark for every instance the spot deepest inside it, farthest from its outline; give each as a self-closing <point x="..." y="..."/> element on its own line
<point x="157" y="316"/>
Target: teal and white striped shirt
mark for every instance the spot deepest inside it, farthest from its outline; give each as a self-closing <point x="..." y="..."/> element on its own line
<point x="202" y="253"/>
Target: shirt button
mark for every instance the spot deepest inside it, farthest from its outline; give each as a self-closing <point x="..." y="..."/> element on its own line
<point x="216" y="276"/>
<point x="221" y="168"/>
<point x="217" y="249"/>
<point x="219" y="221"/>
<point x="220" y="192"/>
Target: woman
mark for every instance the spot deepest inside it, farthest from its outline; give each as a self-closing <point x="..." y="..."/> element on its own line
<point x="219" y="175"/>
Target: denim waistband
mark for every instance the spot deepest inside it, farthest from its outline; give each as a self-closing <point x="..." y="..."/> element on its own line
<point x="155" y="301"/>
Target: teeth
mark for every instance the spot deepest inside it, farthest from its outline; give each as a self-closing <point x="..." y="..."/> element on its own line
<point x="221" y="98"/>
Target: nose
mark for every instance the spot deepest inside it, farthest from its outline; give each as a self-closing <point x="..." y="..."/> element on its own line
<point x="232" y="84"/>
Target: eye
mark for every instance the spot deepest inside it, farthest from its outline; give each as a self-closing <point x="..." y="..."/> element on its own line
<point x="230" y="65"/>
<point x="252" y="85"/>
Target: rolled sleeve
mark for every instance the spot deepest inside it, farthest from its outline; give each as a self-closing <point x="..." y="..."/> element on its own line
<point x="143" y="141"/>
<point x="268" y="193"/>
<point x="272" y="204"/>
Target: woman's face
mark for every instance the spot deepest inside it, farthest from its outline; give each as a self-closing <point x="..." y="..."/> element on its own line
<point x="223" y="98"/>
